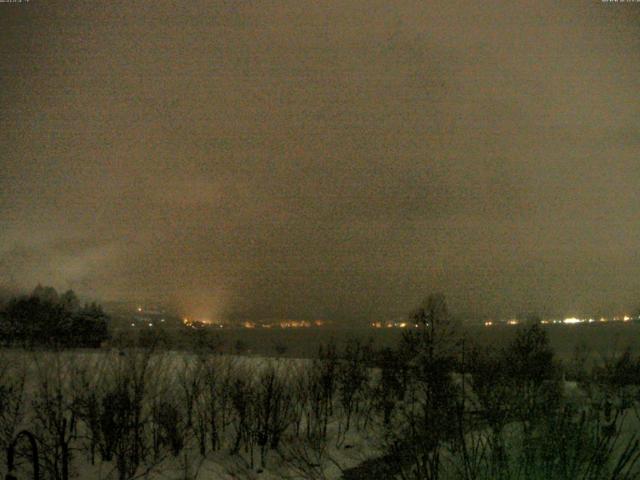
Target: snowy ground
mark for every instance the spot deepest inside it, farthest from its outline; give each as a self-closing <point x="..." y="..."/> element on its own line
<point x="295" y="458"/>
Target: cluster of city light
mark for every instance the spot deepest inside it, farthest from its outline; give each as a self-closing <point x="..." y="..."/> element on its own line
<point x="150" y="324"/>
<point x="295" y="324"/>
<point x="200" y="322"/>
<point x="391" y="324"/>
<point x="566" y="321"/>
<point x="189" y="322"/>
<point x="491" y="323"/>
<point x="573" y="320"/>
<point x="284" y="324"/>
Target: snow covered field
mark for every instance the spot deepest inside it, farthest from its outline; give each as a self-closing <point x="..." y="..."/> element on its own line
<point x="112" y="414"/>
<point x="175" y="415"/>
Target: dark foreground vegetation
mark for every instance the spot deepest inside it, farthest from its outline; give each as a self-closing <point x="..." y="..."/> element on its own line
<point x="46" y="318"/>
<point x="437" y="406"/>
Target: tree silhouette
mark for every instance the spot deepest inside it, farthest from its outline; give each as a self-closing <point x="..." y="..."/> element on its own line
<point x="45" y="318"/>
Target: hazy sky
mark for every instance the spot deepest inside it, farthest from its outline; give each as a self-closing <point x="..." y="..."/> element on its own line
<point x="334" y="159"/>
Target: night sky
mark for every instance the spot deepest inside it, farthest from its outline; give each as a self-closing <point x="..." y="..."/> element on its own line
<point x="335" y="160"/>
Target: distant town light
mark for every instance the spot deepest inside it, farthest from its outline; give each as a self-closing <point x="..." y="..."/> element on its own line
<point x="572" y="320"/>
<point x="512" y="322"/>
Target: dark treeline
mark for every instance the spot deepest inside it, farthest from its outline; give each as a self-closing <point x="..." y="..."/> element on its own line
<point x="45" y="318"/>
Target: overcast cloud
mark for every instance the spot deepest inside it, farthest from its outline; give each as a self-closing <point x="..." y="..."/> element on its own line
<point x="323" y="159"/>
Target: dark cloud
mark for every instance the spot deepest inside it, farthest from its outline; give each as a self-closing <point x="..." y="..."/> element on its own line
<point x="339" y="160"/>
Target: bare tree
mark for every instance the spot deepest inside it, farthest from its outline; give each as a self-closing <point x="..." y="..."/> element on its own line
<point x="55" y="414"/>
<point x="12" y="408"/>
<point x="352" y="377"/>
<point x="425" y="420"/>
<point x="273" y="409"/>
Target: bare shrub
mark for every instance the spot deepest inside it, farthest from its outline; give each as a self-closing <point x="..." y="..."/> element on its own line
<point x="528" y="429"/>
<point x="86" y="382"/>
<point x="12" y="390"/>
<point x="352" y="376"/>
<point x="168" y="428"/>
<point x="272" y="409"/>
<point x="242" y="394"/>
<point x="55" y="418"/>
<point x="189" y="379"/>
<point x="391" y="386"/>
<point x="308" y="458"/>
<point x="213" y="406"/>
<point x="321" y="387"/>
<point x="126" y="411"/>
